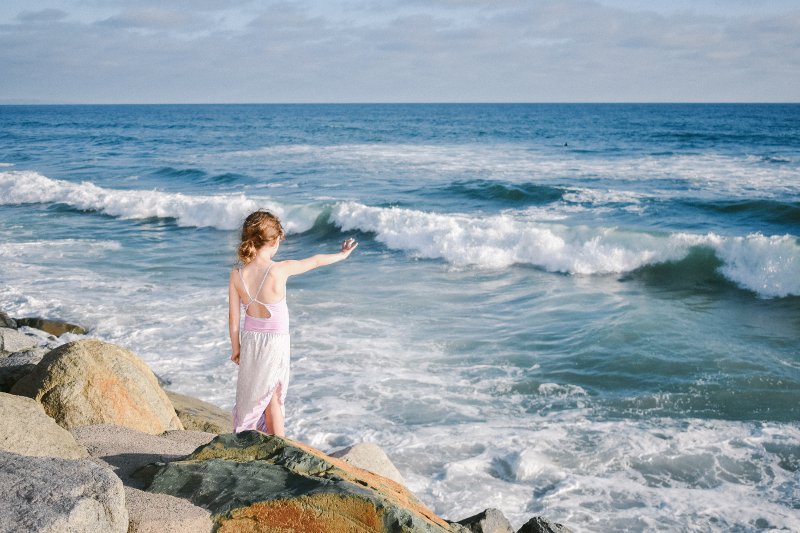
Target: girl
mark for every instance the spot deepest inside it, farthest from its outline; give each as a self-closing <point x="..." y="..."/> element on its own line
<point x="262" y="348"/>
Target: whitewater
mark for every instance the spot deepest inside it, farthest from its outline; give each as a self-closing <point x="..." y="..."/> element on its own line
<point x="604" y="333"/>
<point x="766" y="265"/>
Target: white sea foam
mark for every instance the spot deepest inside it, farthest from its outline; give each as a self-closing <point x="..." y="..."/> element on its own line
<point x="659" y="475"/>
<point x="219" y="211"/>
<point x="461" y="446"/>
<point x="769" y="266"/>
<point x="708" y="172"/>
<point x="57" y="249"/>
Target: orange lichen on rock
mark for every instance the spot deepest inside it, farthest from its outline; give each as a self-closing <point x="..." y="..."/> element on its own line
<point x="253" y="482"/>
<point x="318" y="513"/>
<point x="88" y="382"/>
<point x="280" y="450"/>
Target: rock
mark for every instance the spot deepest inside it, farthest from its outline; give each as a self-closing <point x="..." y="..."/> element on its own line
<point x="25" y="429"/>
<point x="17" y="365"/>
<point x="124" y="450"/>
<point x="48" y="494"/>
<point x="489" y="521"/>
<point x="90" y="382"/>
<point x="189" y="438"/>
<point x="251" y="481"/>
<point x="162" y="381"/>
<point x="199" y="415"/>
<point x="370" y="457"/>
<point x="12" y="341"/>
<point x="162" y="513"/>
<point x="12" y="369"/>
<point x="537" y="524"/>
<point x="53" y="327"/>
<point x="6" y="321"/>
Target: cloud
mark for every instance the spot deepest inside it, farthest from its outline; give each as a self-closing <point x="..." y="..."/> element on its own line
<point x="45" y="15"/>
<point x="155" y="19"/>
<point x="446" y="50"/>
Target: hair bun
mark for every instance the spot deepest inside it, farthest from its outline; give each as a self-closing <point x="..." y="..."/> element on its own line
<point x="258" y="229"/>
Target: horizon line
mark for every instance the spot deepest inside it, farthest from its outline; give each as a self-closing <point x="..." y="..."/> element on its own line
<point x="10" y="103"/>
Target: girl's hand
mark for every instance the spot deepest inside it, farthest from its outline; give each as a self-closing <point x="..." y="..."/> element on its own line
<point x="348" y="246"/>
<point x="235" y="357"/>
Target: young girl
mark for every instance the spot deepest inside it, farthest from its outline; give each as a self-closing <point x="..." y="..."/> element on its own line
<point x="262" y="348"/>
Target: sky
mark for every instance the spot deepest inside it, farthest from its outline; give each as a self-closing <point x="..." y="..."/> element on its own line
<point x="343" y="51"/>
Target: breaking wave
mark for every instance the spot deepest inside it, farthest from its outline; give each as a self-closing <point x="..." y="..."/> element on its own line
<point x="766" y="265"/>
<point x="224" y="212"/>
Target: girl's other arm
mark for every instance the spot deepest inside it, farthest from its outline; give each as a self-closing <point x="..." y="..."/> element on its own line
<point x="234" y="304"/>
<point x="295" y="267"/>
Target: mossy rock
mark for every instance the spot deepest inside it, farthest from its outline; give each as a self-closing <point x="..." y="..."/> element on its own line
<point x="251" y="481"/>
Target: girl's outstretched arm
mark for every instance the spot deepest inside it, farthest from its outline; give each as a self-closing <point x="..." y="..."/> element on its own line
<point x="300" y="266"/>
<point x="234" y="305"/>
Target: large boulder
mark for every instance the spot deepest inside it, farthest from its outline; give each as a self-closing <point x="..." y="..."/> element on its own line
<point x="370" y="457"/>
<point x="538" y="524"/>
<point x="53" y="327"/>
<point x="125" y="450"/>
<point x="90" y="382"/>
<point x="12" y="341"/>
<point x="26" y="429"/>
<point x="251" y="481"/>
<point x="199" y="415"/>
<point x="488" y="521"/>
<point x="49" y="494"/>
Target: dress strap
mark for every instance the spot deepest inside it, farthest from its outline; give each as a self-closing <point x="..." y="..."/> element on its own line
<point x="262" y="281"/>
<point x="244" y="284"/>
<point x="252" y="298"/>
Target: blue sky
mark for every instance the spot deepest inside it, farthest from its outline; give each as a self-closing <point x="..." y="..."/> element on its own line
<point x="174" y="51"/>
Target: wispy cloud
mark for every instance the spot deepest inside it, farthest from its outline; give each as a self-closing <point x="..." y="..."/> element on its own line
<point x="44" y="15"/>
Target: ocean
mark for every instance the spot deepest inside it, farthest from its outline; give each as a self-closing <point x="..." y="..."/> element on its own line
<point x="589" y="312"/>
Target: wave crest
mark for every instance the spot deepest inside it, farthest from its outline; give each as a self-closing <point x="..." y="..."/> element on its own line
<point x="218" y="211"/>
<point x="766" y="265"/>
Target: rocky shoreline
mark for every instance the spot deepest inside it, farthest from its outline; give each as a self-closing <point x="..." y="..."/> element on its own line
<point x="91" y="441"/>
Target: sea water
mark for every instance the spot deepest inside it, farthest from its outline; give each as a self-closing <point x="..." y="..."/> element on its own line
<point x="589" y="312"/>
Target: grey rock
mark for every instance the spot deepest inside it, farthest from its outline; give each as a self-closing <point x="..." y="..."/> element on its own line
<point x="18" y="365"/>
<point x="26" y="429"/>
<point x="189" y="438"/>
<point x="162" y="513"/>
<point x="12" y="341"/>
<point x="488" y="521"/>
<point x="53" y="327"/>
<point x="124" y="450"/>
<point x="54" y="495"/>
<point x="6" y="321"/>
<point x="199" y="415"/>
<point x="370" y="457"/>
<point x="13" y="371"/>
<point x="32" y="356"/>
<point x="538" y="524"/>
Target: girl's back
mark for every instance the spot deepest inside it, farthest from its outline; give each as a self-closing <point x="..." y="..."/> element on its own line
<point x="258" y="286"/>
